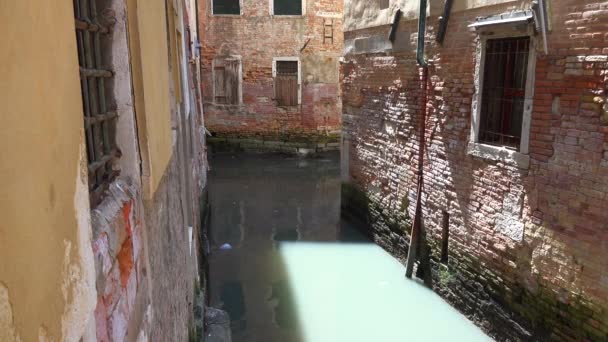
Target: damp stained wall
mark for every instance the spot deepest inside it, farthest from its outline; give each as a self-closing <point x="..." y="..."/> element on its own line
<point x="534" y="232"/>
<point x="257" y="38"/>
<point x="47" y="285"/>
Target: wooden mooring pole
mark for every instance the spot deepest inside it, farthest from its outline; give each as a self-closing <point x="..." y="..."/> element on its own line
<point x="414" y="247"/>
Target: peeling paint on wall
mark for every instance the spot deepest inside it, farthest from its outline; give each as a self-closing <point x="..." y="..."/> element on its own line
<point x="78" y="272"/>
<point x="7" y="328"/>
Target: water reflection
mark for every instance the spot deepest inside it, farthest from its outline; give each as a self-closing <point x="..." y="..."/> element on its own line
<point x="296" y="273"/>
<point x="286" y="235"/>
<point x="232" y="297"/>
<point x="259" y="202"/>
<point x="282" y="300"/>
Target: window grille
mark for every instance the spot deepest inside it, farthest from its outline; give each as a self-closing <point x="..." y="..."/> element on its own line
<point x="227" y="7"/>
<point x="286" y="83"/>
<point x="504" y="88"/>
<point x="287" y="7"/>
<point x="99" y="118"/>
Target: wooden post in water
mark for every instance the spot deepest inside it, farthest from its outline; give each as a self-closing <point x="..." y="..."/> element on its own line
<point x="412" y="253"/>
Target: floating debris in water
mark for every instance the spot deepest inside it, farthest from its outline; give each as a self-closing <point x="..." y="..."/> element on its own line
<point x="226" y="247"/>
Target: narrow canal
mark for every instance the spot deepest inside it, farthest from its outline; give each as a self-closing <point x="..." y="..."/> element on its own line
<point x="287" y="269"/>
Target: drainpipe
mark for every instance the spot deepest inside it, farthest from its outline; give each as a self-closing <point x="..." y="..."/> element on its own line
<point x="421" y="33"/>
<point x="414" y="246"/>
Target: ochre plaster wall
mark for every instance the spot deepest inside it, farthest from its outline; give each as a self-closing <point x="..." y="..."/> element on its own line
<point x="148" y="45"/>
<point x="43" y="196"/>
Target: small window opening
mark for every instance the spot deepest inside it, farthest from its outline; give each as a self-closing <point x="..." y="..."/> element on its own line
<point x="445" y="236"/>
<point x="328" y="31"/>
<point x="286" y="83"/>
<point x="287" y="7"/>
<point x="93" y="43"/>
<point x="232" y="7"/>
<point x="504" y="88"/>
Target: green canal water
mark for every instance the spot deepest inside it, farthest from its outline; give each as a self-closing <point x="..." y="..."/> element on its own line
<point x="286" y="267"/>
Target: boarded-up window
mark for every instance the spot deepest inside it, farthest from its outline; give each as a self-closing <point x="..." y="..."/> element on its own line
<point x="226" y="7"/>
<point x="226" y="74"/>
<point x="287" y="7"/>
<point x="286" y="83"/>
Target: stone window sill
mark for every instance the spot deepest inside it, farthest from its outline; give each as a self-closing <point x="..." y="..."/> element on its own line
<point x="293" y="16"/>
<point x="497" y="153"/>
<point x="224" y="105"/>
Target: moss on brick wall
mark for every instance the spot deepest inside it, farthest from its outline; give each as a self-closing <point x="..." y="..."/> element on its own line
<point x="505" y="310"/>
<point x="388" y="228"/>
<point x="300" y="144"/>
<point x="526" y="245"/>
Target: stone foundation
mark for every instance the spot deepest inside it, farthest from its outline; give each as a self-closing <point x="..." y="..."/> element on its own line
<point x="296" y="146"/>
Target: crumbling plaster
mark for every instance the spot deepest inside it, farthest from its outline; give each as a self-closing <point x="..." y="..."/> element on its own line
<point x="78" y="285"/>
<point x="7" y="324"/>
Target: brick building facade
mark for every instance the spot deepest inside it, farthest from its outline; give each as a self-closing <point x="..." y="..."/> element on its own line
<point x="514" y="197"/>
<point x="270" y="68"/>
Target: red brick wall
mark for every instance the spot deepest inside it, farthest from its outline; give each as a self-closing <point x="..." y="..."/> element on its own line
<point x="257" y="38"/>
<point x="554" y="283"/>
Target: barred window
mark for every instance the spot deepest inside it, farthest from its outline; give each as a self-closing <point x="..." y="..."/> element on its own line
<point x="504" y="89"/>
<point x="95" y="80"/>
<point x="286" y="83"/>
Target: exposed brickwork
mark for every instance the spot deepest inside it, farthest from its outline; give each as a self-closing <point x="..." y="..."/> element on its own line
<point x="258" y="37"/>
<point x="552" y="284"/>
<point x="117" y="260"/>
<point x="145" y="249"/>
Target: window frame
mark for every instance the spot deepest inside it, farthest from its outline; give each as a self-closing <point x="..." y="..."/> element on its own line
<point x="225" y="15"/>
<point x="519" y="158"/>
<point x="271" y="8"/>
<point x="239" y="79"/>
<point x="101" y="123"/>
<point x="274" y="74"/>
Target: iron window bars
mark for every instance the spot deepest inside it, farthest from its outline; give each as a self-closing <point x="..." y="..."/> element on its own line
<point x="504" y="88"/>
<point x="99" y="119"/>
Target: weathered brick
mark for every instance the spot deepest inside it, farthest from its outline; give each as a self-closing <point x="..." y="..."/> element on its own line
<point x="258" y="37"/>
<point x="561" y="192"/>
